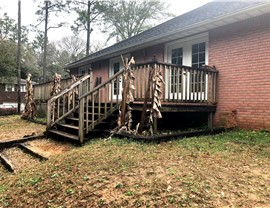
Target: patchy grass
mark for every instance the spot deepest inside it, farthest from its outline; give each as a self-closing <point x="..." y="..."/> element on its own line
<point x="226" y="170"/>
<point x="13" y="127"/>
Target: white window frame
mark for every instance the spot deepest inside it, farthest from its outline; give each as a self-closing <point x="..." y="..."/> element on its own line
<point x="23" y="88"/>
<point x="186" y="44"/>
<point x="111" y="65"/>
<point x="8" y="86"/>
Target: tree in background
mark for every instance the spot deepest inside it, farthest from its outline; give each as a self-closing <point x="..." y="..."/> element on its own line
<point x="89" y="12"/>
<point x="9" y="29"/>
<point x="8" y="50"/>
<point x="70" y="49"/>
<point x="131" y="17"/>
<point x="55" y="7"/>
<point x="8" y="58"/>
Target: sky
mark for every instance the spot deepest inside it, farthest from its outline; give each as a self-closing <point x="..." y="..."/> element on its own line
<point x="29" y="8"/>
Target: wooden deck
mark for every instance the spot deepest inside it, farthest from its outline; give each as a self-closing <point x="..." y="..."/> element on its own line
<point x="185" y="89"/>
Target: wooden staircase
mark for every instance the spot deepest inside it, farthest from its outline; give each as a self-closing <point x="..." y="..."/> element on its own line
<point x="69" y="127"/>
<point x="80" y="109"/>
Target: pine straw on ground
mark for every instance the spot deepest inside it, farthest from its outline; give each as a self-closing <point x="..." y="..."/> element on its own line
<point x="226" y="170"/>
<point x="13" y="127"/>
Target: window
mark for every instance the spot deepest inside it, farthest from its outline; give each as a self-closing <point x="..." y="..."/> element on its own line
<point x="177" y="56"/>
<point x="198" y="55"/>
<point x="9" y="88"/>
<point x="175" y="76"/>
<point x="84" y="70"/>
<point x="190" y="51"/>
<point x="23" y="88"/>
<point x="198" y="59"/>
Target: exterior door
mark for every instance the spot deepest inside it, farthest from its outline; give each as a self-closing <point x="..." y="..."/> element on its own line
<point x="182" y="84"/>
<point x="115" y="67"/>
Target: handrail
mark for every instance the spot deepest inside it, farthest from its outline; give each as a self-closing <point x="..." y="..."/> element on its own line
<point x="64" y="103"/>
<point x="70" y="87"/>
<point x="102" y="84"/>
<point x="206" y="68"/>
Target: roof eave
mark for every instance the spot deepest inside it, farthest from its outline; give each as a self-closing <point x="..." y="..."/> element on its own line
<point x="200" y="27"/>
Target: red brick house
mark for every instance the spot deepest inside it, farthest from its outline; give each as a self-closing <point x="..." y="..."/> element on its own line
<point x="232" y="36"/>
<point x="9" y="94"/>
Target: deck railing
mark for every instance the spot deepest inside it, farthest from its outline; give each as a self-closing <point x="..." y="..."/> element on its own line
<point x="182" y="83"/>
<point x="102" y="100"/>
<point x="64" y="103"/>
<point x="42" y="91"/>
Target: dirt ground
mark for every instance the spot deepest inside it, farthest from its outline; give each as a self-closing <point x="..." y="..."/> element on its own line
<point x="13" y="127"/>
<point x="48" y="147"/>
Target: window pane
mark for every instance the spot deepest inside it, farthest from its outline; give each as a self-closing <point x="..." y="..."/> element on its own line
<point x="202" y="47"/>
<point x="202" y="57"/>
<point x="180" y="51"/>
<point x="174" y="61"/>
<point x="194" y="58"/>
<point x="116" y="67"/>
<point x="177" y="56"/>
<point x="195" y="65"/>
<point x="195" y="48"/>
<point x="174" y="53"/>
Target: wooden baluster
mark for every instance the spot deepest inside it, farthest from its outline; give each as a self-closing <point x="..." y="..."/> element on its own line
<point x="87" y="115"/>
<point x="64" y="104"/>
<point x="117" y="89"/>
<point x="194" y="84"/>
<point x="173" y="83"/>
<point x="99" y="104"/>
<point x="210" y="98"/>
<point x="203" y="80"/>
<point x="58" y="107"/>
<point x="73" y="98"/>
<point x="145" y="78"/>
<point x="169" y="82"/>
<point x="178" y="84"/>
<point x="112" y="85"/>
<point x="68" y="97"/>
<point x="187" y="84"/>
<point x="81" y="120"/>
<point x="198" y="84"/>
<point x="189" y="79"/>
<point x="182" y="84"/>
<point x="49" y="111"/>
<point x="141" y="81"/>
<point x="106" y="99"/>
<point x="93" y="111"/>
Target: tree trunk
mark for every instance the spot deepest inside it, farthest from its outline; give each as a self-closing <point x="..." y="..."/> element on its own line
<point x="19" y="56"/>
<point x="88" y="28"/>
<point x="45" y="41"/>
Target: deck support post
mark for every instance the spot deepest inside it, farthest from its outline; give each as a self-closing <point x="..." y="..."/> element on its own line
<point x="155" y="125"/>
<point x="210" y="120"/>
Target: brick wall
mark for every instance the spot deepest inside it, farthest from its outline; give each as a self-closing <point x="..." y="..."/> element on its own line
<point x="241" y="53"/>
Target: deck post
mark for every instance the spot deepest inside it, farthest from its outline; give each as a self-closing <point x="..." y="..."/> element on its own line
<point x="210" y="120"/>
<point x="81" y="120"/>
<point x="155" y="125"/>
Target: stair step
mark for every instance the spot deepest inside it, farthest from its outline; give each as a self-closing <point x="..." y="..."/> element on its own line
<point x="76" y="119"/>
<point x="68" y="126"/>
<point x="64" y="134"/>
